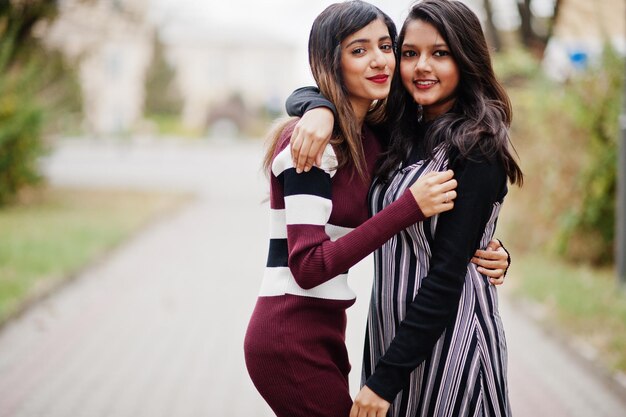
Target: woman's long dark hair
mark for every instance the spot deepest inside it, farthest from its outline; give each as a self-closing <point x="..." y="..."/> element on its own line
<point x="332" y="26"/>
<point x="481" y="115"/>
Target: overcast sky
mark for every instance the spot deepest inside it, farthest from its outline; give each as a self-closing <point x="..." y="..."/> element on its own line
<point x="288" y="20"/>
<point x="292" y="19"/>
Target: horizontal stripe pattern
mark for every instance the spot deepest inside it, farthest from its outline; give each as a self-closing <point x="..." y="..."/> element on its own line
<point x="307" y="209"/>
<point x="280" y="281"/>
<point x="282" y="161"/>
<point x="316" y="182"/>
<point x="278" y="224"/>
<point x="295" y="342"/>
<point x="278" y="254"/>
<point x="305" y="199"/>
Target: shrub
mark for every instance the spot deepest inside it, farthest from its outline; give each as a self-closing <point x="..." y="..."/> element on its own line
<point x="588" y="229"/>
<point x="20" y="141"/>
<point x="567" y="136"/>
<point x="20" y="117"/>
<point x="34" y="84"/>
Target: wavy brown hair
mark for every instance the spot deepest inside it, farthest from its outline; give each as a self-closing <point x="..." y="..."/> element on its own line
<point x="330" y="28"/>
<point x="479" y="121"/>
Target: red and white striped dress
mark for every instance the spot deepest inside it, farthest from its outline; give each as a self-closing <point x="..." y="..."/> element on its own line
<point x="295" y="343"/>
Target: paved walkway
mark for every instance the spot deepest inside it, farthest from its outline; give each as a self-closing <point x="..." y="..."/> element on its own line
<point x="156" y="329"/>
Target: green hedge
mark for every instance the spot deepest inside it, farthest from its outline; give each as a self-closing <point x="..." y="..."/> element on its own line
<point x="567" y="135"/>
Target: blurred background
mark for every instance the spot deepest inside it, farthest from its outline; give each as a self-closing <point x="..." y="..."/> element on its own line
<point x="132" y="214"/>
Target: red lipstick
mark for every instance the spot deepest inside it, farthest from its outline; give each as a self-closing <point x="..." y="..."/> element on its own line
<point x="379" y="79"/>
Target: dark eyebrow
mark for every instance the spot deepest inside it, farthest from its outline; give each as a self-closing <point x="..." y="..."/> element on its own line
<point x="382" y="38"/>
<point x="437" y="45"/>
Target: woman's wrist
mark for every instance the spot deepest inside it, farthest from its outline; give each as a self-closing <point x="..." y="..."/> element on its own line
<point x="508" y="258"/>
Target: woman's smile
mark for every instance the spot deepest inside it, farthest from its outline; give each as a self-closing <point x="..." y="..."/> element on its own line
<point x="428" y="70"/>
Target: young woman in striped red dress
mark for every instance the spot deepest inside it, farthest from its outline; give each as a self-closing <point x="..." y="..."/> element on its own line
<point x="435" y="344"/>
<point x="295" y="342"/>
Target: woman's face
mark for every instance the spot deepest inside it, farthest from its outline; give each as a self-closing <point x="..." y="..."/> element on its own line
<point x="428" y="71"/>
<point x="367" y="65"/>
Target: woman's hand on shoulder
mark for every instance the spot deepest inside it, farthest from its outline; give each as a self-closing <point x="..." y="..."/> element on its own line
<point x="369" y="404"/>
<point x="310" y="136"/>
<point x="434" y="192"/>
<point x="493" y="262"/>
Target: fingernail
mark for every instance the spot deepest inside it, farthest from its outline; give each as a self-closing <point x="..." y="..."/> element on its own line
<point x="298" y="171"/>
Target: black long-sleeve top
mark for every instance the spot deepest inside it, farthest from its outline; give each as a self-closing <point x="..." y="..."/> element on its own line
<point x="481" y="183"/>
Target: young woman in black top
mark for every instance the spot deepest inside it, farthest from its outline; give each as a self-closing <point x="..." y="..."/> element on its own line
<point x="434" y="332"/>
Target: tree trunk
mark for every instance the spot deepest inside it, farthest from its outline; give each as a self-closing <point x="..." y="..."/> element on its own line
<point x="526" y="27"/>
<point x="492" y="32"/>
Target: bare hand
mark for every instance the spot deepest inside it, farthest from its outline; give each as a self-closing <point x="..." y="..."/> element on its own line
<point x="310" y="137"/>
<point x="368" y="404"/>
<point x="492" y="262"/>
<point x="434" y="192"/>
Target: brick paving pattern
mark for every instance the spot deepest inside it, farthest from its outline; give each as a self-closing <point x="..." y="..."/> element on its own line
<point x="156" y="328"/>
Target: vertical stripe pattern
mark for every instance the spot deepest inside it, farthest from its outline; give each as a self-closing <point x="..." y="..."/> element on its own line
<point x="466" y="373"/>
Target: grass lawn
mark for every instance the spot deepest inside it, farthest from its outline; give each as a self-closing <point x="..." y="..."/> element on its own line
<point x="51" y="233"/>
<point x="584" y="302"/>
